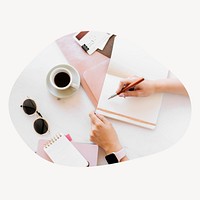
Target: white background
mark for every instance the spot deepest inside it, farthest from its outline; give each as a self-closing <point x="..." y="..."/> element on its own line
<point x="168" y="30"/>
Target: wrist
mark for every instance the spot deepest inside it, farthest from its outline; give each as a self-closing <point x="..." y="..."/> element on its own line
<point x="158" y="85"/>
<point x="113" y="148"/>
<point x="116" y="157"/>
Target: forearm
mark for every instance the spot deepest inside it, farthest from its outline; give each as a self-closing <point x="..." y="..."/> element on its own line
<point x="170" y="86"/>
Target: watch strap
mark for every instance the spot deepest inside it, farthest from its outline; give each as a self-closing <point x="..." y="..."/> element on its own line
<point x="120" y="154"/>
<point x="115" y="157"/>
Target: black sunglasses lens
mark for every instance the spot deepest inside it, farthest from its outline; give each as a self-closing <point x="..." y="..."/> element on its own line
<point x="40" y="126"/>
<point x="29" y="106"/>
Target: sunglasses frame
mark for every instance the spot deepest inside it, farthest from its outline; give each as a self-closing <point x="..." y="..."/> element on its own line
<point x="39" y="118"/>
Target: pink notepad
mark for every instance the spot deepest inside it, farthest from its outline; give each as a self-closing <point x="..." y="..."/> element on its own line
<point x="89" y="151"/>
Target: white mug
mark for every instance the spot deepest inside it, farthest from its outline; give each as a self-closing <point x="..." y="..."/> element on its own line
<point x="62" y="79"/>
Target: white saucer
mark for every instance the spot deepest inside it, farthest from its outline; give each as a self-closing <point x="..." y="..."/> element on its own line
<point x="69" y="91"/>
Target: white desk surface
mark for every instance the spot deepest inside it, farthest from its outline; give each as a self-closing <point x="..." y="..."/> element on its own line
<point x="70" y="115"/>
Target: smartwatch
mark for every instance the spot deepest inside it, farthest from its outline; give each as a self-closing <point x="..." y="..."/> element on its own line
<point x="115" y="157"/>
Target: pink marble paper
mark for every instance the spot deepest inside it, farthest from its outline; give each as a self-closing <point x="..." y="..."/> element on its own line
<point x="92" y="68"/>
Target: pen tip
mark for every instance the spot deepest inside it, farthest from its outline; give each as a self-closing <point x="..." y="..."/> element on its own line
<point x="112" y="96"/>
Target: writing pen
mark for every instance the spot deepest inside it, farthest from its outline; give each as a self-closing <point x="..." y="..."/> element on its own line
<point x="128" y="87"/>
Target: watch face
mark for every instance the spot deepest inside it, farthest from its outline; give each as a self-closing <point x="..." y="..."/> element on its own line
<point x="111" y="158"/>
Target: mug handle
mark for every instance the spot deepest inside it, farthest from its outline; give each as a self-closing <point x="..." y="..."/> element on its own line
<point x="75" y="86"/>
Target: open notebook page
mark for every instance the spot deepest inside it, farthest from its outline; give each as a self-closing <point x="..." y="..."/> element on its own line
<point x="128" y="60"/>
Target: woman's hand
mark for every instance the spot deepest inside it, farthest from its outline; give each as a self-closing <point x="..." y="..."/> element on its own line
<point x="149" y="87"/>
<point x="143" y="89"/>
<point x="103" y="134"/>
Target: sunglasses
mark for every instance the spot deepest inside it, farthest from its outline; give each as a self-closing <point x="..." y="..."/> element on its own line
<point x="40" y="125"/>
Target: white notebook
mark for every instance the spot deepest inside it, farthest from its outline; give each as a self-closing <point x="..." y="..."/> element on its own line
<point x="127" y="60"/>
<point x="62" y="151"/>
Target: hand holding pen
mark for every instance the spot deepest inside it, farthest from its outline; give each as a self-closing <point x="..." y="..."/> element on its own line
<point x="126" y="86"/>
<point x="148" y="87"/>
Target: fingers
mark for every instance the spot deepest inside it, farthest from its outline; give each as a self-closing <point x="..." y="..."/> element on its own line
<point x="125" y="82"/>
<point x="136" y="93"/>
<point x="122" y="83"/>
<point x="94" y="118"/>
<point x="97" y="118"/>
<point x="102" y="118"/>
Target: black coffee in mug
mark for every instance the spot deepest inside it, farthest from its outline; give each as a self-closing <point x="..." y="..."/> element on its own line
<point x="62" y="79"/>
